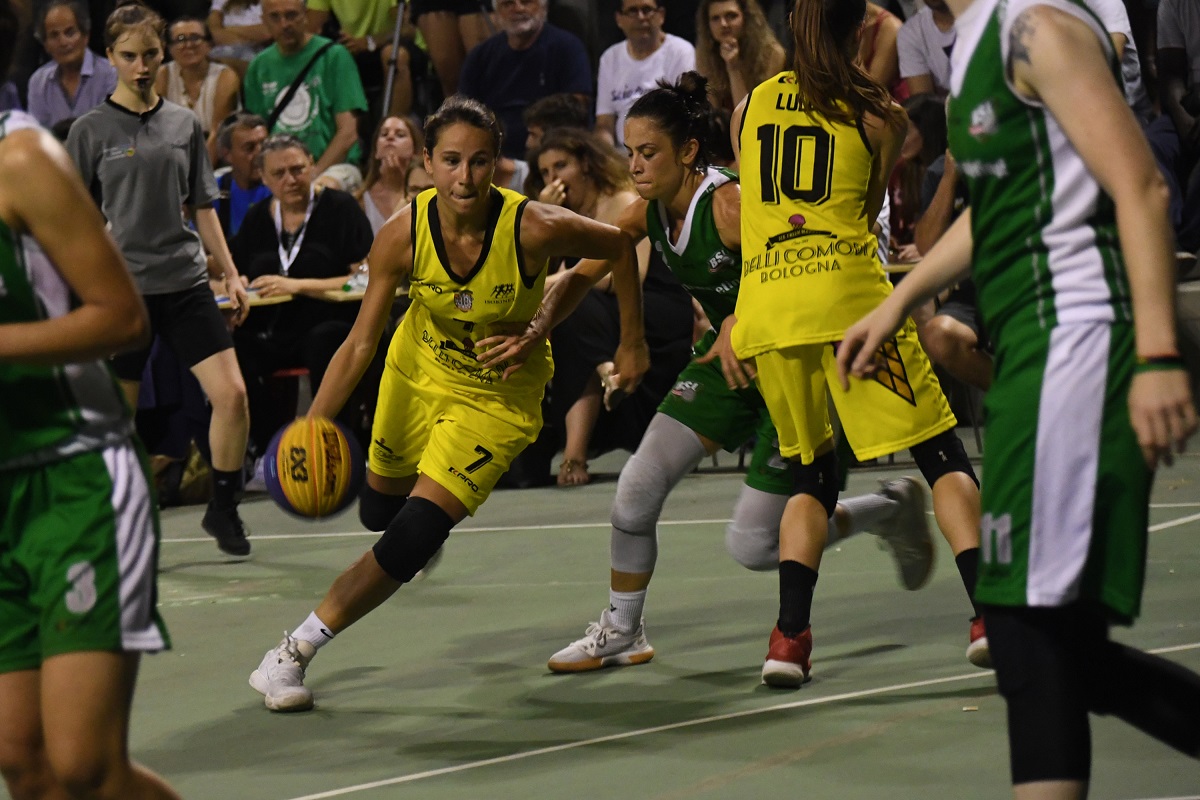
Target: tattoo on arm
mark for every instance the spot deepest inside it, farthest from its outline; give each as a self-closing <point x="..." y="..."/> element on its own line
<point x="1020" y="38"/>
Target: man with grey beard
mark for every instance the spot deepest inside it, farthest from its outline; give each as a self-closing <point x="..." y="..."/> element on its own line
<point x="528" y="60"/>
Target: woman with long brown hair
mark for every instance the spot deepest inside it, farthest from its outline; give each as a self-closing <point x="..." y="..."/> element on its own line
<point x="397" y="140"/>
<point x="576" y="169"/>
<point x="817" y="145"/>
<point x="735" y="49"/>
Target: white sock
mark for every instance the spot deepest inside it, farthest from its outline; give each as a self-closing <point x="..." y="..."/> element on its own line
<point x="314" y="633"/>
<point x="865" y="512"/>
<point x="625" y="609"/>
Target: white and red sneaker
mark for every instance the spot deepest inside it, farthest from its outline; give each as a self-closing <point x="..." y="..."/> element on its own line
<point x="977" y="651"/>
<point x="789" y="663"/>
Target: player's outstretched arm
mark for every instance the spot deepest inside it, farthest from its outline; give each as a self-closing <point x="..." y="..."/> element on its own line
<point x="62" y="217"/>
<point x="1057" y="59"/>
<point x="390" y="260"/>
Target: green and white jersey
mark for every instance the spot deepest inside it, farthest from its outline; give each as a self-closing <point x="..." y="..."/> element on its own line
<point x="708" y="269"/>
<point x="1045" y="237"/>
<point x="47" y="413"/>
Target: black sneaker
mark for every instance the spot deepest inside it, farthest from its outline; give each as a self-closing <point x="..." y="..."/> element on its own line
<point x="226" y="527"/>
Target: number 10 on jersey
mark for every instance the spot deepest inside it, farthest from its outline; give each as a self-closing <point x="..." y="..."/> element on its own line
<point x="797" y="162"/>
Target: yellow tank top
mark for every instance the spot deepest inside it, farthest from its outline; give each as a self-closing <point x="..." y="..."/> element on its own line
<point x="450" y="314"/>
<point x="809" y="263"/>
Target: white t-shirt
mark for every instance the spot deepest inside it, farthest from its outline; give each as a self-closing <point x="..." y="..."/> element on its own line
<point x="1179" y="25"/>
<point x="925" y="50"/>
<point x="1115" y="19"/>
<point x="621" y="79"/>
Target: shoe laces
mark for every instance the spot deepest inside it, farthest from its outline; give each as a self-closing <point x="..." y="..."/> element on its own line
<point x="596" y="636"/>
<point x="289" y="649"/>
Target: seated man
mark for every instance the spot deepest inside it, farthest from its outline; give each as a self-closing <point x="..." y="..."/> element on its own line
<point x="238" y="141"/>
<point x="328" y="96"/>
<point x="924" y="43"/>
<point x="76" y="80"/>
<point x="528" y="60"/>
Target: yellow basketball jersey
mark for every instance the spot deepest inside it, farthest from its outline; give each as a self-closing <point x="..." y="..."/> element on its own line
<point x="809" y="263"/>
<point x="450" y="314"/>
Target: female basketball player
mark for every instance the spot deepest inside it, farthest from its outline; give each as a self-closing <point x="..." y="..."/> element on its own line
<point x="447" y="425"/>
<point x="817" y="144"/>
<point x="1090" y="392"/>
<point x="148" y="159"/>
<point x="689" y="211"/>
<point x="78" y="531"/>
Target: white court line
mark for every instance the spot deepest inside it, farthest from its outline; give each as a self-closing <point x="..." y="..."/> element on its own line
<point x="815" y="701"/>
<point x="569" y="526"/>
<point x="1162" y="526"/>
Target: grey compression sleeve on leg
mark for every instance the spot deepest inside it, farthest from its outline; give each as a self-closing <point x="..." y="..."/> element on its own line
<point x="668" y="451"/>
<point x="752" y="536"/>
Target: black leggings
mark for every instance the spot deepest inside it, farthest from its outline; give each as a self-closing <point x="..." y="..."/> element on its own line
<point x="1054" y="665"/>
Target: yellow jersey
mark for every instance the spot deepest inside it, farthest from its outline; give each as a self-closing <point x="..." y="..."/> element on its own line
<point x="450" y="314"/>
<point x="810" y="266"/>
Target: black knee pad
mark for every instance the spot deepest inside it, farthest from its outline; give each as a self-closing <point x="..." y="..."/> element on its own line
<point x="376" y="510"/>
<point x="940" y="456"/>
<point x="411" y="539"/>
<point x="818" y="479"/>
<point x="1041" y="656"/>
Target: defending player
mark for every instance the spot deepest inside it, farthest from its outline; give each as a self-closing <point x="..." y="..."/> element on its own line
<point x="1090" y="393"/>
<point x="78" y="526"/>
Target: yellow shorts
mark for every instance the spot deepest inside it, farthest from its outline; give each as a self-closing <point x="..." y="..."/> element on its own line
<point x="902" y="406"/>
<point x="463" y="440"/>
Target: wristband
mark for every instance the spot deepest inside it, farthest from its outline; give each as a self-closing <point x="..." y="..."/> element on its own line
<point x="1158" y="363"/>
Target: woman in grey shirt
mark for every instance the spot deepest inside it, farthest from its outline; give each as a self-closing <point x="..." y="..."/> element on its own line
<point x="144" y="160"/>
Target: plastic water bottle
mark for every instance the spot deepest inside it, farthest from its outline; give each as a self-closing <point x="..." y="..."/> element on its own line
<point x="358" y="281"/>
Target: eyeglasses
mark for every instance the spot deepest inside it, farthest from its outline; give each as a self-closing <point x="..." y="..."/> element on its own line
<point x="189" y="38"/>
<point x="640" y="11"/>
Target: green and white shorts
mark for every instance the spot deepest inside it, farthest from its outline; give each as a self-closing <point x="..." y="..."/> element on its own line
<point x="78" y="558"/>
<point x="703" y="401"/>
<point x="1066" y="491"/>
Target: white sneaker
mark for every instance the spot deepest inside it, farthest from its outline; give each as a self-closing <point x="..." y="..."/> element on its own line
<point x="603" y="645"/>
<point x="906" y="534"/>
<point x="280" y="677"/>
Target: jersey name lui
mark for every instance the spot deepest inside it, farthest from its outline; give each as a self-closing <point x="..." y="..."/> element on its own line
<point x="810" y="266"/>
<point x="48" y="413"/>
<point x="1043" y="230"/>
<point x="450" y="314"/>
<point x="708" y="269"/>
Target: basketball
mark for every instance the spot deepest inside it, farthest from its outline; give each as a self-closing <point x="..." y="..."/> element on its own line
<point x="313" y="468"/>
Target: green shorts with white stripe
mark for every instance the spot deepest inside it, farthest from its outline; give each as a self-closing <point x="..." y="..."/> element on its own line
<point x="78" y="558"/>
<point x="1066" y="490"/>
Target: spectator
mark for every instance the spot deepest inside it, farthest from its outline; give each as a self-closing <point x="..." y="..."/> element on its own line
<point x="77" y="80"/>
<point x="1115" y="19"/>
<point x="397" y="141"/>
<point x="556" y="111"/>
<point x="579" y="171"/>
<point x="925" y="43"/>
<point x="193" y="80"/>
<point x="10" y="98"/>
<point x="735" y="49"/>
<point x="417" y="180"/>
<point x="924" y="142"/>
<point x="365" y="30"/>
<point x="301" y="242"/>
<point x="452" y="28"/>
<point x="239" y="32"/>
<point x="877" y="49"/>
<point x="528" y="60"/>
<point x="322" y="110"/>
<point x="1175" y="136"/>
<point x="239" y="141"/>
<point x="631" y="68"/>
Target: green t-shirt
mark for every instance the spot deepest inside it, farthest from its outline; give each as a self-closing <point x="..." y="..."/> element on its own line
<point x="359" y="17"/>
<point x="330" y="87"/>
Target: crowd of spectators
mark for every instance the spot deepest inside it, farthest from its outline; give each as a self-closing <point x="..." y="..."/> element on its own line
<point x="312" y="80"/>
